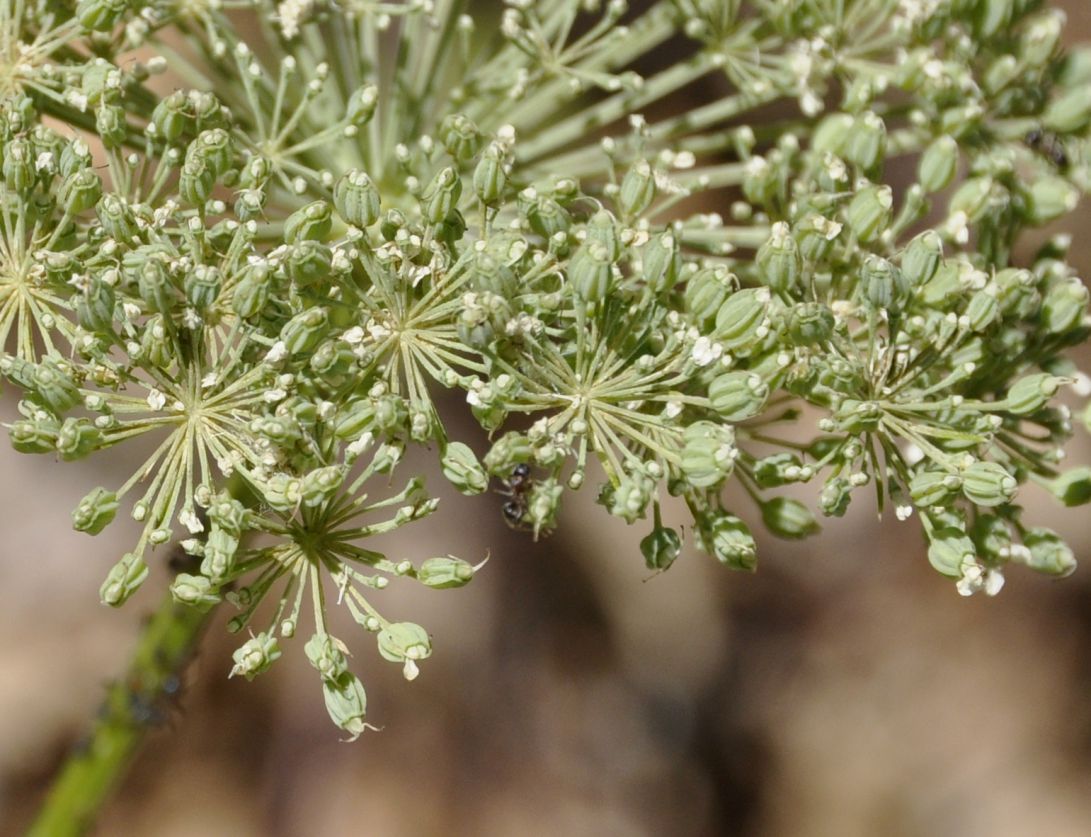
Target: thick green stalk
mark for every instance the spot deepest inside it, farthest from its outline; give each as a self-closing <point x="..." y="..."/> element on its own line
<point x="132" y="706"/>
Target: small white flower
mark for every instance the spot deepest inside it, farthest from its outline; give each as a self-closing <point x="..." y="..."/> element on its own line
<point x="705" y="351"/>
<point x="191" y="521"/>
<point x="156" y="400"/>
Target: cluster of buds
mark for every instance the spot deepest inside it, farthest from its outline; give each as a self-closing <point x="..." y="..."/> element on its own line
<point x="272" y="273"/>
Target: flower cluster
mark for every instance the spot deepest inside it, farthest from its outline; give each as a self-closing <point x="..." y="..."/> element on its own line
<point x="270" y="245"/>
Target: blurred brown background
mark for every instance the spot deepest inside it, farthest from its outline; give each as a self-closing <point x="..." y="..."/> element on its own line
<point x="845" y="689"/>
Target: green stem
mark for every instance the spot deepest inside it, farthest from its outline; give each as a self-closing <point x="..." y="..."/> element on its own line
<point x="132" y="705"/>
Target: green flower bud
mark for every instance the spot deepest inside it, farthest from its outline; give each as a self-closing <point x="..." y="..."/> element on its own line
<point x="727" y="539"/>
<point x="1070" y="113"/>
<point x="255" y="656"/>
<point x="1040" y="38"/>
<point x="390" y="413"/>
<point x="155" y="284"/>
<point x="227" y="513"/>
<point x="547" y="217"/>
<point x="866" y="143"/>
<point x="938" y="165"/>
<point x="973" y="198"/>
<point x="55" y="388"/>
<point x="591" y="271"/>
<point x="1049" y="198"/>
<point x="123" y="580"/>
<point x="76" y="438"/>
<point x="219" y="558"/>
<point x="462" y="469"/>
<point x="742" y="321"/>
<point x="321" y="484"/>
<point x="251" y="293"/>
<point x="933" y="488"/>
<point x="327" y="654"/>
<point x="362" y="104"/>
<point x="603" y="229"/>
<point x="779" y="262"/>
<point x="95" y="307"/>
<point x="1049" y="554"/>
<point x="833" y="133"/>
<point x="155" y="344"/>
<point x="214" y="148"/>
<point x="95" y="511"/>
<point x="202" y="286"/>
<point x="172" y="118"/>
<point x="195" y="181"/>
<point x="706" y="291"/>
<point x="780" y="469"/>
<point x="195" y="591"/>
<point x="815" y="234"/>
<point x="988" y="484"/>
<point x="1064" y="306"/>
<point x="661" y="262"/>
<point x="511" y="449"/>
<point x="459" y="136"/>
<point x="333" y="360"/>
<point x="34" y="436"/>
<point x="835" y="497"/>
<point x="116" y="217"/>
<point x="490" y="177"/>
<point x="869" y="213"/>
<point x="282" y="491"/>
<point x="100" y="15"/>
<point x="788" y="518"/>
<point x="356" y="199"/>
<point x="983" y="309"/>
<point x="809" y="324"/>
<point x="110" y="125"/>
<point x="882" y="284"/>
<point x="18" y="166"/>
<point x="630" y="497"/>
<point x="921" y="258"/>
<point x="1001" y="72"/>
<point x="354" y="419"/>
<point x="309" y="263"/>
<point x="1073" y="487"/>
<point x="305" y="330"/>
<point x="441" y="196"/>
<point x="543" y="503"/>
<point x="445" y="572"/>
<point x="313" y="221"/>
<point x="404" y="642"/>
<point x="346" y="703"/>
<point x="80" y="191"/>
<point x="736" y="396"/>
<point x="708" y="453"/>
<point x="949" y="550"/>
<point x="993" y="16"/>
<point x="660" y="548"/>
<point x="1031" y="393"/>
<point x="637" y="189"/>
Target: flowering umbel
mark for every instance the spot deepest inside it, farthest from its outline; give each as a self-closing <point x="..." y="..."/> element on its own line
<point x="271" y="244"/>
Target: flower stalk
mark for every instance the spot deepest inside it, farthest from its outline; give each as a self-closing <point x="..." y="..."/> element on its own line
<point x="134" y="704"/>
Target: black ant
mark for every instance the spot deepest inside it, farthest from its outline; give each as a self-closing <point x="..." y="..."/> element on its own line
<point x="1048" y="145"/>
<point x="517" y="488"/>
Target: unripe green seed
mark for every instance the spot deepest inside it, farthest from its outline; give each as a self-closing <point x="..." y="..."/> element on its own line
<point x="988" y="484"/>
<point x="462" y="469"/>
<point x="736" y="396"/>
<point x="938" y="165"/>
<point x="356" y="199"/>
<point x="95" y="511"/>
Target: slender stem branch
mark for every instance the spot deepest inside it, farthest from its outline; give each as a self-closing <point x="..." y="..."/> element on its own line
<point x="98" y="763"/>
